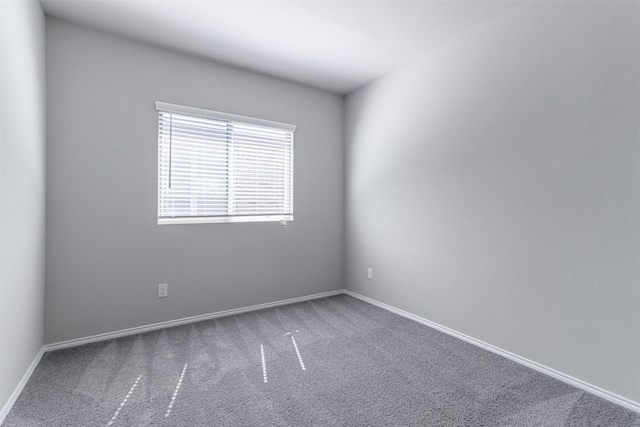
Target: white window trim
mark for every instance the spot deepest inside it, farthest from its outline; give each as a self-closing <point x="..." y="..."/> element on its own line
<point x="223" y="219"/>
<point x="199" y="112"/>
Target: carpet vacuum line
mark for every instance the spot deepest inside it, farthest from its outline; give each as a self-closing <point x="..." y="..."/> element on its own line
<point x="298" y="353"/>
<point x="175" y="393"/>
<point x="264" y="365"/>
<point x="133" y="387"/>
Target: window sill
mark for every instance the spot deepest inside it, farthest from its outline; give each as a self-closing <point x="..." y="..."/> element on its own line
<point x="223" y="219"/>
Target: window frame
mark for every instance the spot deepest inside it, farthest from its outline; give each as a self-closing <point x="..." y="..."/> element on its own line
<point x="164" y="107"/>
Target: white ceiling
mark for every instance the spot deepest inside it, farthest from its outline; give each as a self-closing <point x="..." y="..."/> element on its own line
<point x="333" y="45"/>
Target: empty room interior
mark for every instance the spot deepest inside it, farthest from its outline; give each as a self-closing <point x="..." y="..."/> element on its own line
<point x="450" y="236"/>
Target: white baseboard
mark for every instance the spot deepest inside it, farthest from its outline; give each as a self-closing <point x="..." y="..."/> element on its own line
<point x="183" y="321"/>
<point x="141" y="329"/>
<point x="590" y="388"/>
<point x="23" y="382"/>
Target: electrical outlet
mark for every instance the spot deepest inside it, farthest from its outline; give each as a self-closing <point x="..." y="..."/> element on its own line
<point x="163" y="290"/>
<point x="370" y="273"/>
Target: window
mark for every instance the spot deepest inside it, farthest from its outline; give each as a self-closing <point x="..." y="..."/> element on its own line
<point x="217" y="167"/>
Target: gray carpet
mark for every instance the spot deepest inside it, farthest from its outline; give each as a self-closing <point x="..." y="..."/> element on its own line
<point x="332" y="362"/>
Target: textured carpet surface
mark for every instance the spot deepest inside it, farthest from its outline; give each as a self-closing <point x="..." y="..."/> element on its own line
<point x="332" y="362"/>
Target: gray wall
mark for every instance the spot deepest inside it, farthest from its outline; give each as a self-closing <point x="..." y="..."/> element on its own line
<point x="22" y="189"/>
<point x="105" y="252"/>
<point x="494" y="187"/>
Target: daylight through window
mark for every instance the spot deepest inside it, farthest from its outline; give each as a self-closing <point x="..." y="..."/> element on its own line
<point x="218" y="167"/>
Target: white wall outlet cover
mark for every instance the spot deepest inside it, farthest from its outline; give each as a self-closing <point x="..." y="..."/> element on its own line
<point x="163" y="290"/>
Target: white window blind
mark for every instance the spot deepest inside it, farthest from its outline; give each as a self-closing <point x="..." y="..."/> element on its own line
<point x="218" y="167"/>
